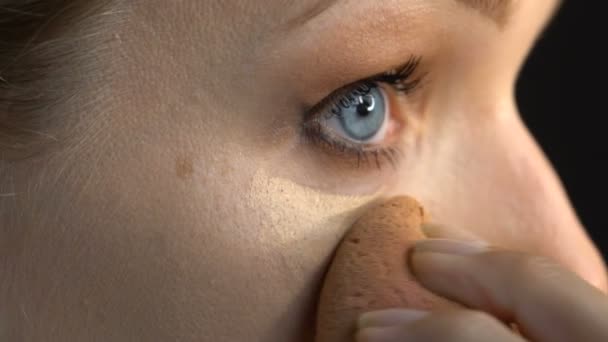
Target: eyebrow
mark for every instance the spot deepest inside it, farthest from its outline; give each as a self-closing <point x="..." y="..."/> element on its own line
<point x="318" y="7"/>
<point x="498" y="11"/>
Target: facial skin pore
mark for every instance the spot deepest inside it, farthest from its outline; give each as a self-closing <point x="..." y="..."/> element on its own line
<point x="192" y="208"/>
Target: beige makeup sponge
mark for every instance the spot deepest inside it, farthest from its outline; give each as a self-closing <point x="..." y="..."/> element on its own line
<point x="369" y="271"/>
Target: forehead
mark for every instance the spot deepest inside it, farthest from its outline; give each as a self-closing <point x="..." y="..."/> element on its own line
<point x="495" y="10"/>
<point x="270" y="12"/>
<point x="229" y="15"/>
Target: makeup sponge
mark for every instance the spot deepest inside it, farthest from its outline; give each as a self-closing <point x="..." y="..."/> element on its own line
<point x="369" y="270"/>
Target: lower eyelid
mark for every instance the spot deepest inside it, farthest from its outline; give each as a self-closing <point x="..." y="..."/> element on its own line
<point x="354" y="156"/>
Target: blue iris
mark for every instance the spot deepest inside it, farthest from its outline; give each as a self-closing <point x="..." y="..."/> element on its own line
<point x="363" y="114"/>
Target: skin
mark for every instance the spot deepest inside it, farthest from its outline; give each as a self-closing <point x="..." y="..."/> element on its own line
<point x="153" y="225"/>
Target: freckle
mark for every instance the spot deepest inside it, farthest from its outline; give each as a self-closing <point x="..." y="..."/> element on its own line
<point x="227" y="169"/>
<point x="184" y="167"/>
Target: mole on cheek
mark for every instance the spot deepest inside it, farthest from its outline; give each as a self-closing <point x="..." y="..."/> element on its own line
<point x="184" y="167"/>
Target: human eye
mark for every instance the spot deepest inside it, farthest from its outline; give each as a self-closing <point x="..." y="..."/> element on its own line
<point x="363" y="121"/>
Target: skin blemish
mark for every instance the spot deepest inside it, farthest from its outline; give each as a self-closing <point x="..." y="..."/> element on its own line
<point x="184" y="167"/>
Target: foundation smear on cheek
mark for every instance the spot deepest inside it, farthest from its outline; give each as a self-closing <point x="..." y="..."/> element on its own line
<point x="298" y="213"/>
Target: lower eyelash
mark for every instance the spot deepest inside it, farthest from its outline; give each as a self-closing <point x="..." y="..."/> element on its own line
<point x="365" y="157"/>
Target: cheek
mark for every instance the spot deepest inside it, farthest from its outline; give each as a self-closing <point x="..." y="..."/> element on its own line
<point x="298" y="229"/>
<point x="192" y="249"/>
<point x="253" y="253"/>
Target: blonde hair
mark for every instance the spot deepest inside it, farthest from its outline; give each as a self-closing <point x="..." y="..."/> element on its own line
<point x="41" y="44"/>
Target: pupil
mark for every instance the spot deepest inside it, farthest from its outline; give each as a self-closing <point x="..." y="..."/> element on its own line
<point x="362" y="110"/>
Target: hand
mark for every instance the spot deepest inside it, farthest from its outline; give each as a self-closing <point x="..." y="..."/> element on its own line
<point x="503" y="289"/>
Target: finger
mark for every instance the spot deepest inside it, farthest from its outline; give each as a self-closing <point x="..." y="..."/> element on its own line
<point x="548" y="302"/>
<point x="454" y="326"/>
<point x="437" y="231"/>
<point x="390" y="318"/>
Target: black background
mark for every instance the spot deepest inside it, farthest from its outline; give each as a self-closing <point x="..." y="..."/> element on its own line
<point x="561" y="95"/>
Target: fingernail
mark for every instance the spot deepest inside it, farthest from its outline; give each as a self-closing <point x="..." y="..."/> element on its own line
<point x="392" y="334"/>
<point x="389" y="318"/>
<point x="445" y="246"/>
<point x="438" y="231"/>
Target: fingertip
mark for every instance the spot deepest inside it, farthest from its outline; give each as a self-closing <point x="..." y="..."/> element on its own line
<point x="390" y="317"/>
<point x="439" y="231"/>
<point x="379" y="334"/>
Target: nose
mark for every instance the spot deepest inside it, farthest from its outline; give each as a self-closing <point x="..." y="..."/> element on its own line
<point x="488" y="176"/>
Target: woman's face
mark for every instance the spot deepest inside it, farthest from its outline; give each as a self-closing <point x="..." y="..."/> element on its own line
<point x="240" y="139"/>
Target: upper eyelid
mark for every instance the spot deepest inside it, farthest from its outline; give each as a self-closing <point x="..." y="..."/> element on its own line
<point x="405" y="72"/>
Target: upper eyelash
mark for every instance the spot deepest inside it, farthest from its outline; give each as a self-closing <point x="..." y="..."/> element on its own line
<point x="401" y="79"/>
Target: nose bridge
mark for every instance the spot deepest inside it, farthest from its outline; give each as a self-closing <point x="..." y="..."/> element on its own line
<point x="521" y="189"/>
<point x="492" y="179"/>
<point x="546" y="212"/>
